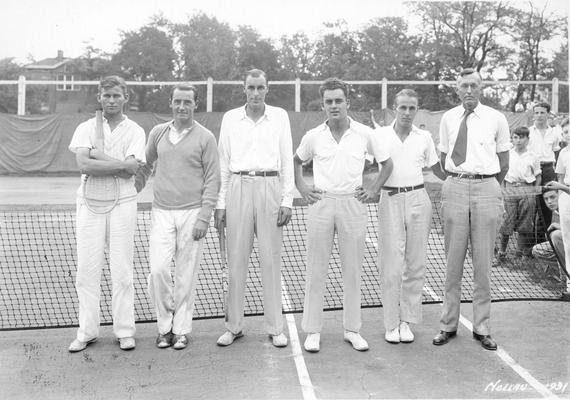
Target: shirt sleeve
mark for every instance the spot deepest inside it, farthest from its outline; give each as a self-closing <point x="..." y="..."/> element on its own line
<point x="224" y="159"/>
<point x="430" y="155"/>
<point x="443" y="135"/>
<point x="211" y="165"/>
<point x="137" y="144"/>
<point x="305" y="150"/>
<point x="374" y="146"/>
<point x="286" y="155"/>
<point x="81" y="136"/>
<point x="557" y="131"/>
<point x="503" y="137"/>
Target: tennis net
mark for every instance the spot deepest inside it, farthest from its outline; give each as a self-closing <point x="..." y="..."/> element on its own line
<point x="38" y="264"/>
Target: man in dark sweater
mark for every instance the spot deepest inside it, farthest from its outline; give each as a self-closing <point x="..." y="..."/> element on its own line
<point x="186" y="185"/>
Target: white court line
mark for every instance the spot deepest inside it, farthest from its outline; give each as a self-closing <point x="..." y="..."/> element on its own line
<point x="503" y="355"/>
<point x="302" y="372"/>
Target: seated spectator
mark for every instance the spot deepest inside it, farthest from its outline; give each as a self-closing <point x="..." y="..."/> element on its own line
<point x="544" y="250"/>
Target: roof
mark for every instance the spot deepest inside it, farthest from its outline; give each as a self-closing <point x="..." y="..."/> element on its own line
<point x="48" y="63"/>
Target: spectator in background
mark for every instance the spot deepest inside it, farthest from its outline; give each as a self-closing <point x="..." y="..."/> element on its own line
<point x="563" y="174"/>
<point x="544" y="250"/>
<point x="519" y="195"/>
<point x="544" y="141"/>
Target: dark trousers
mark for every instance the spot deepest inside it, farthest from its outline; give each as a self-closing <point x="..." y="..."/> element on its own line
<point x="544" y="215"/>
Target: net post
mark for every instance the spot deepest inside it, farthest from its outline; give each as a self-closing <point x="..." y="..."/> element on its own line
<point x="298" y="94"/>
<point x="384" y="93"/>
<point x="21" y="95"/>
<point x="209" y="94"/>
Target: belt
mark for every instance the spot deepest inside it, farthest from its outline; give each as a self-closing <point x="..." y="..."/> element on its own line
<point x="507" y="183"/>
<point x="258" y="173"/>
<point x="395" y="190"/>
<point x="469" y="176"/>
<point x="546" y="163"/>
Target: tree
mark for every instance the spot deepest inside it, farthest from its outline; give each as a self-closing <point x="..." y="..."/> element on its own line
<point x="530" y="29"/>
<point x="9" y="70"/>
<point x="146" y="54"/>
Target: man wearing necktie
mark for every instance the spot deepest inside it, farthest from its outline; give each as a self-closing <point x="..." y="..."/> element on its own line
<point x="474" y="144"/>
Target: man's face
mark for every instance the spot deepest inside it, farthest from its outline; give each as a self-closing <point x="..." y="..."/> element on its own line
<point x="540" y="115"/>
<point x="406" y="110"/>
<point x="565" y="134"/>
<point x="551" y="199"/>
<point x="183" y="105"/>
<point x="520" y="142"/>
<point x="469" y="90"/>
<point x="335" y="105"/>
<point x="112" y="100"/>
<point x="255" y="91"/>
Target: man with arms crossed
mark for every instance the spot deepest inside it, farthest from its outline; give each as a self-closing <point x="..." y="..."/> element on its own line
<point x="474" y="144"/>
<point x="185" y="189"/>
<point x="338" y="149"/>
<point x="404" y="219"/>
<point x="256" y="197"/>
<point x="124" y="144"/>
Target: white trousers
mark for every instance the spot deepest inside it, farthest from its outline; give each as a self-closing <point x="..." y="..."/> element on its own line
<point x="348" y="217"/>
<point x="94" y="232"/>
<point x="404" y="223"/>
<point x="252" y="209"/>
<point x="171" y="239"/>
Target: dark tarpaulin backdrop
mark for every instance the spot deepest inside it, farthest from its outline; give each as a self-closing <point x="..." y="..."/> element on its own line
<point x="38" y="144"/>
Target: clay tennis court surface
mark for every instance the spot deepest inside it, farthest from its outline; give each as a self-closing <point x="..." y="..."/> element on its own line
<point x="533" y="360"/>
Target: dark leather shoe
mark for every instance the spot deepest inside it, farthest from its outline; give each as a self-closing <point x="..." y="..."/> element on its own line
<point x="443" y="337"/>
<point x="486" y="341"/>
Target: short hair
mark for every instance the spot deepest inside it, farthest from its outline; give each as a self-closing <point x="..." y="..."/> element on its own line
<point x="522" y="131"/>
<point x="546" y="189"/>
<point x="406" y="92"/>
<point x="112" y="81"/>
<point x="542" y="104"/>
<point x="185" y="87"/>
<point x="564" y="122"/>
<point x="256" y="73"/>
<point x="333" y="84"/>
<point x="469" y="71"/>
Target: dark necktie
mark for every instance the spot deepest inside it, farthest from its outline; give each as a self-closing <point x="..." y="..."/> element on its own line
<point x="460" y="149"/>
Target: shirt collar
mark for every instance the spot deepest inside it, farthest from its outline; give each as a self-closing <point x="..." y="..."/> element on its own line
<point x="325" y="125"/>
<point x="415" y="130"/>
<point x="266" y="113"/>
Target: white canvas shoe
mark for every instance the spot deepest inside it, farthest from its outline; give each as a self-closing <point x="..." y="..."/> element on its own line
<point x="312" y="342"/>
<point x="279" y="340"/>
<point x="228" y="338"/>
<point x="406" y="334"/>
<point x="392" y="336"/>
<point x="78" y="345"/>
<point x="357" y="341"/>
<point x="127" y="343"/>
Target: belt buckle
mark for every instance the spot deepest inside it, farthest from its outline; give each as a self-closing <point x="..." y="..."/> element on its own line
<point x="404" y="190"/>
<point x="251" y="173"/>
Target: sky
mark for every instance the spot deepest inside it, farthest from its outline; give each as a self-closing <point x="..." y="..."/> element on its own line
<point x="36" y="29"/>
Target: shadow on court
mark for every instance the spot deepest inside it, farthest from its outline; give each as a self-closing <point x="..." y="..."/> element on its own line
<point x="35" y="364"/>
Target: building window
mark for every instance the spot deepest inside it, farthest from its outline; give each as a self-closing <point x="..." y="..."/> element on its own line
<point x="66" y="83"/>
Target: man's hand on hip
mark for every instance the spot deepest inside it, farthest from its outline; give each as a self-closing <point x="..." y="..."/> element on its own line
<point x="284" y="216"/>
